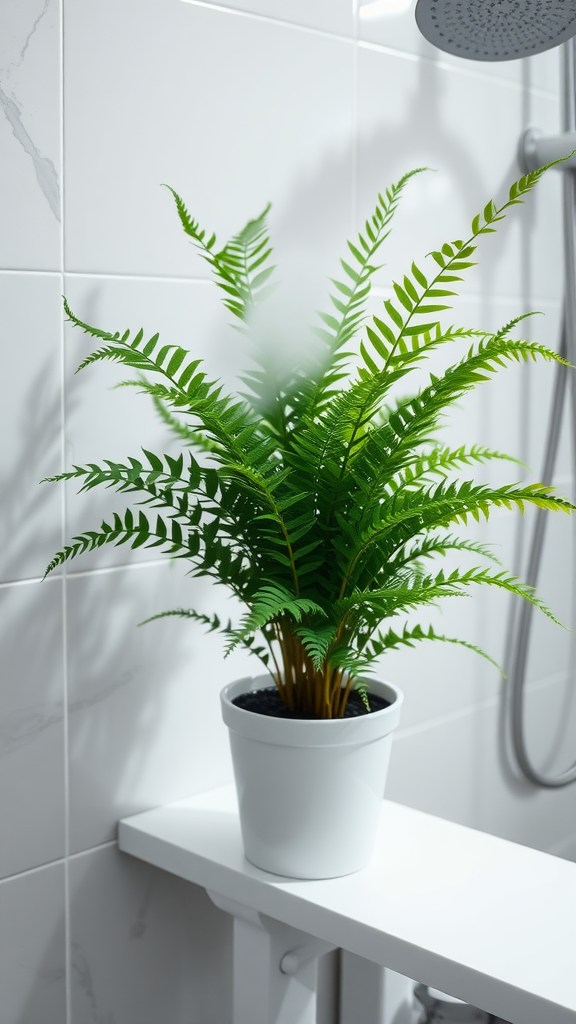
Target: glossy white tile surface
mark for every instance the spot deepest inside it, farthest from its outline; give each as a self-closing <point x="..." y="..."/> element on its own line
<point x="144" y="713"/>
<point x="458" y="768"/>
<point x="444" y="120"/>
<point x="30" y="423"/>
<point x="288" y="140"/>
<point x="325" y="15"/>
<point x="30" y="134"/>
<point x="32" y="951"/>
<point x="146" y="947"/>
<point x="31" y="726"/>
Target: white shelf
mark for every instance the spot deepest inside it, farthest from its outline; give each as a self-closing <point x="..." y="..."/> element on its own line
<point x="487" y="920"/>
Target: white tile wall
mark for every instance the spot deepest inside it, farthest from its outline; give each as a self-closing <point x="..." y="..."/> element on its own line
<point x="146" y="947"/>
<point x="233" y="103"/>
<point x="30" y="417"/>
<point x="469" y="745"/>
<point x="30" y="199"/>
<point x="143" y="703"/>
<point x="441" y="119"/>
<point x="32" y="947"/>
<point x="333" y="16"/>
<point x="274" y="125"/>
<point x="32" y="798"/>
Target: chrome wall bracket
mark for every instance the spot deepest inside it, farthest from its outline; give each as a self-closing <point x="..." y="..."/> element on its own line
<point x="537" y="149"/>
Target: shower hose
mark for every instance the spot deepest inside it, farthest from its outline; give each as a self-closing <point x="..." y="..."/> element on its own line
<point x="567" y="351"/>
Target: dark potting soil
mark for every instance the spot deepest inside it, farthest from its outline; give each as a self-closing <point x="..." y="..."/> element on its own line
<point x="268" y="702"/>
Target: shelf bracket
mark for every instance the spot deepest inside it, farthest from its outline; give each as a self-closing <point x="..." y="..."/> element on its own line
<point x="275" y="968"/>
<point x="276" y="976"/>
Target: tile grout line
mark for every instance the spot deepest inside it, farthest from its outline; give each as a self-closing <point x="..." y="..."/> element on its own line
<point x="385" y="291"/>
<point x="464" y="72"/>
<point x="33" y="273"/>
<point x="176" y="278"/>
<point x="485" y="703"/>
<point x="66" y="720"/>
<point x="109" y="844"/>
<point x="164" y="278"/>
<point x="366" y="44"/>
<point x="253" y="16"/>
<point x="32" y="871"/>
<point x="378" y="291"/>
<point x="106" y="570"/>
<point x="28" y="581"/>
<point x="355" y="133"/>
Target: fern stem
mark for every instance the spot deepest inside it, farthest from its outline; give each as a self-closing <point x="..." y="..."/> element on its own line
<point x="344" y="700"/>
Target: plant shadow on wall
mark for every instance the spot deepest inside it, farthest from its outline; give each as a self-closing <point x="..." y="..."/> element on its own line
<point x="30" y="525"/>
<point x="31" y="701"/>
<point x="384" y="150"/>
<point x="321" y="496"/>
<point x="31" y="715"/>
<point x="140" y="712"/>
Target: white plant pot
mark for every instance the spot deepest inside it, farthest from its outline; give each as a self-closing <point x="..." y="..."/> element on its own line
<point x="309" y="791"/>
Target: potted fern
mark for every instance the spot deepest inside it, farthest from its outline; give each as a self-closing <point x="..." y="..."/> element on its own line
<point x="319" y="498"/>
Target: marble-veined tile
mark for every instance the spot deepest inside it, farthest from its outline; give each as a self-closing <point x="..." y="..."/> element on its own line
<point x="30" y="423"/>
<point x="32" y="947"/>
<point x="30" y="134"/>
<point x="144" y="712"/>
<point x="263" y="112"/>
<point x="326" y="15"/>
<point x="145" y="946"/>
<point x="32" y="804"/>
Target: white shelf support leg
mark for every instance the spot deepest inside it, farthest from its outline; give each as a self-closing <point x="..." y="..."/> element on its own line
<point x="275" y="968"/>
<point x="372" y="994"/>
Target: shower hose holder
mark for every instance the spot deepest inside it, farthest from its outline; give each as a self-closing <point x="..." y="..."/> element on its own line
<point x="537" y="149"/>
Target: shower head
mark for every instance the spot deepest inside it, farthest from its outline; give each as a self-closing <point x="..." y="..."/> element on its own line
<point x="496" y="29"/>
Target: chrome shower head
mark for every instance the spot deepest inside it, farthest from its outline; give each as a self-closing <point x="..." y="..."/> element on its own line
<point x="496" y="29"/>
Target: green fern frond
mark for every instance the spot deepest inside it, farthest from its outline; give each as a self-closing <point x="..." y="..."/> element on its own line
<point x="241" y="268"/>
<point x="402" y="338"/>
<point x="188" y="434"/>
<point x="137" y="532"/>
<point x="268" y="604"/>
<point x="212" y="622"/>
<point x="350" y="300"/>
<point x="409" y="636"/>
<point x="317" y="643"/>
<point x="414" y="590"/>
<point x="411" y="551"/>
<point x="322" y="499"/>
